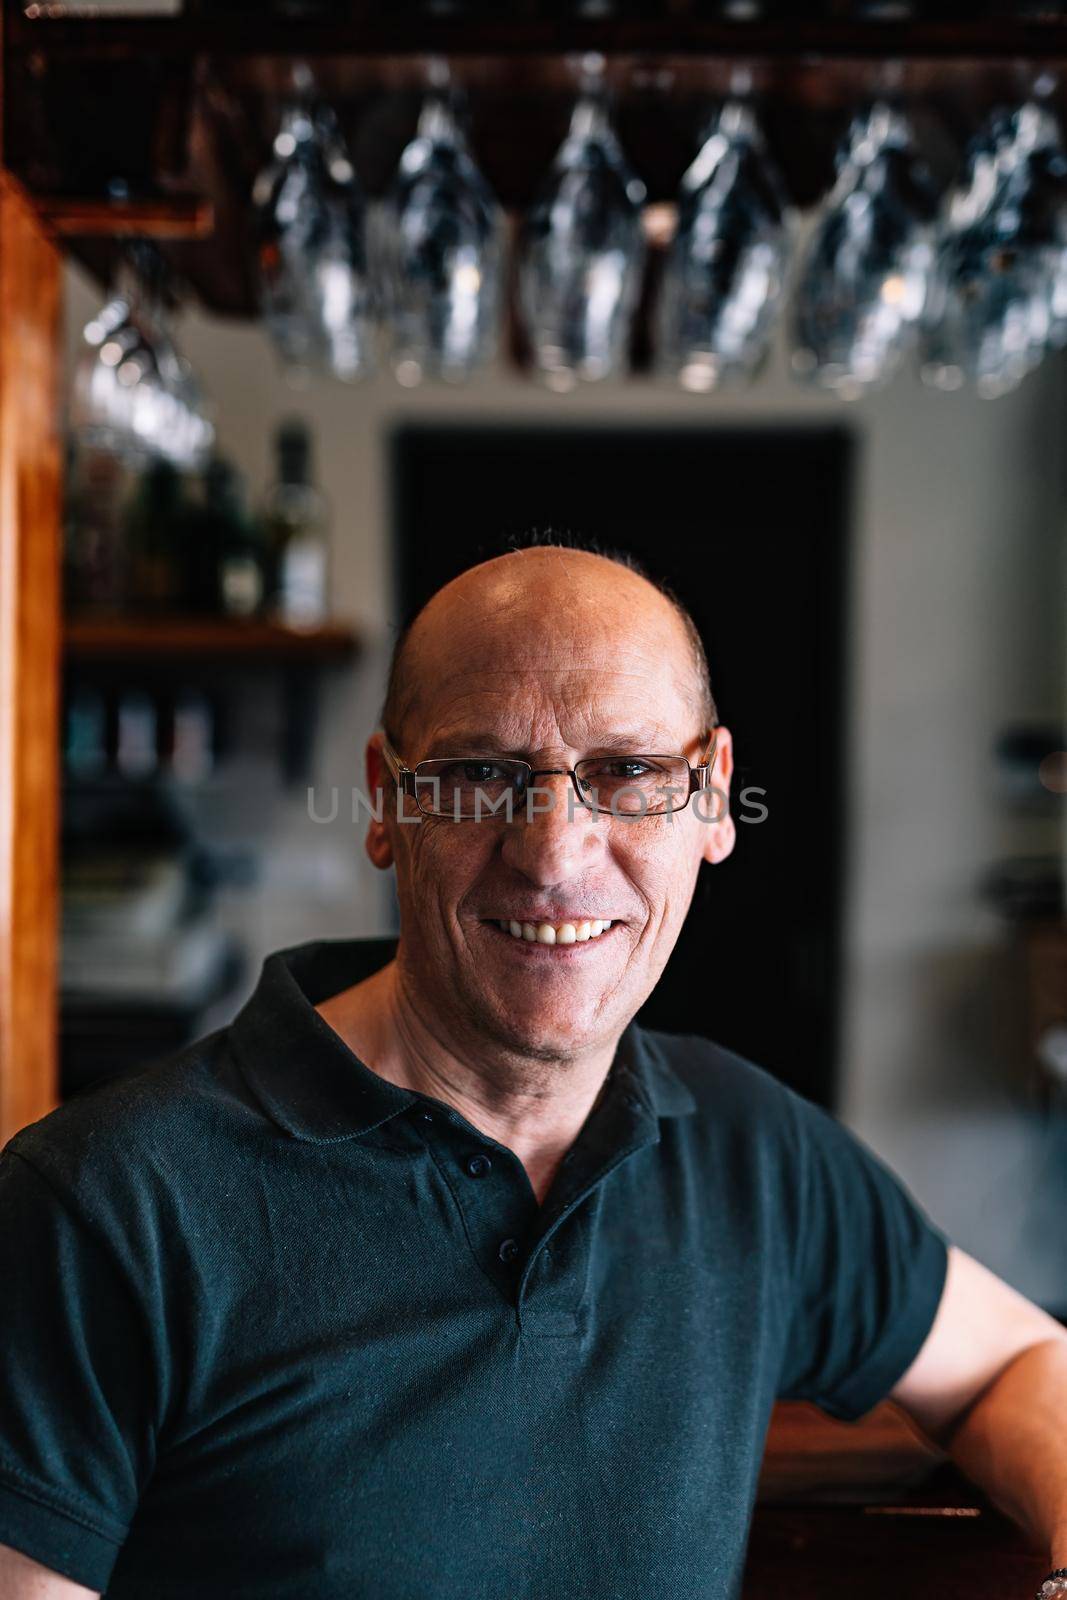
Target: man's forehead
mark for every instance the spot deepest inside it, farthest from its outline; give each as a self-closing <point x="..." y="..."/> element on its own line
<point x="520" y="613"/>
<point x="556" y="704"/>
<point x="522" y="633"/>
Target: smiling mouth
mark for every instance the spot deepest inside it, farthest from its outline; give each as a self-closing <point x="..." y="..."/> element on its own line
<point x="553" y="934"/>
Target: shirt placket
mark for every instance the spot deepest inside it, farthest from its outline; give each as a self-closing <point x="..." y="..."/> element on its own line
<point x="491" y="1190"/>
<point x="537" y="1257"/>
<point x="552" y="1286"/>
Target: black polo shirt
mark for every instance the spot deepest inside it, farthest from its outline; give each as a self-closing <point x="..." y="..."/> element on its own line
<point x="274" y="1327"/>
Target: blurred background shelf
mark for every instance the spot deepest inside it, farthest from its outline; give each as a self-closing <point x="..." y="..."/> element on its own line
<point x="161" y="656"/>
<point x="164" y="638"/>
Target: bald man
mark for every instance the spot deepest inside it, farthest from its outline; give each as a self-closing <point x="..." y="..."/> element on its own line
<point x="434" y="1276"/>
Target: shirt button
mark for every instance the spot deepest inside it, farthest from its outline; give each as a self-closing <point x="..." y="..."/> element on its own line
<point x="427" y="1116"/>
<point x="478" y="1166"/>
<point x="509" y="1249"/>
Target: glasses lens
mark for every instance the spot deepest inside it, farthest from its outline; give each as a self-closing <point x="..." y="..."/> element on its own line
<point x="468" y="788"/>
<point x="638" y="786"/>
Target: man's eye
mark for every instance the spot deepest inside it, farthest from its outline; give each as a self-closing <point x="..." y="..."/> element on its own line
<point x="619" y="770"/>
<point x="626" y="768"/>
<point x="481" y="772"/>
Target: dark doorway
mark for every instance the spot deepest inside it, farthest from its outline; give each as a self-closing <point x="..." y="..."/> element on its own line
<point x="749" y="527"/>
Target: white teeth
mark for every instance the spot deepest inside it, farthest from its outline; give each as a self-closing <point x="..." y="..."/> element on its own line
<point x="551" y="933"/>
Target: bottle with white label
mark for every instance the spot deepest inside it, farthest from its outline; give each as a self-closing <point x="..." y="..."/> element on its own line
<point x="296" y="523"/>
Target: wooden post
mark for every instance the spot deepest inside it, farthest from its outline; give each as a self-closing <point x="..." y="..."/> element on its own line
<point x="30" y="520"/>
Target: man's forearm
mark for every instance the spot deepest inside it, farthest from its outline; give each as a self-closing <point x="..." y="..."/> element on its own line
<point x="1012" y="1443"/>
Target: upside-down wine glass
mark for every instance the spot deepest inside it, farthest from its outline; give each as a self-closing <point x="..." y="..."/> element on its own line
<point x="440" y="250"/>
<point x="727" y="262"/>
<point x="865" y="277"/>
<point x="582" y="253"/>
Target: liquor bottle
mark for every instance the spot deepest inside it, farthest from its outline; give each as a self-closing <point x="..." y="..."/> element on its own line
<point x="224" y="557"/>
<point x="154" y="536"/>
<point x="95" y="575"/>
<point x="192" y="754"/>
<point x="240" y="575"/>
<point x="295" y="524"/>
<point x="85" y="743"/>
<point x="137" y="747"/>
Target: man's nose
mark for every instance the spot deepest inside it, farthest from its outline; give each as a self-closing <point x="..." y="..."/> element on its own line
<point x="553" y="836"/>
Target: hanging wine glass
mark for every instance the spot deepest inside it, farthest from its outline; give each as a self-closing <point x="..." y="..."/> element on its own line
<point x="133" y="395"/>
<point x="194" y="432"/>
<point x="1053" y="169"/>
<point x="100" y="403"/>
<point x="866" y="274"/>
<point x="727" y="263"/>
<point x="440" y="245"/>
<point x="582" y="253"/>
<point x="999" y="299"/>
<point x="311" y="220"/>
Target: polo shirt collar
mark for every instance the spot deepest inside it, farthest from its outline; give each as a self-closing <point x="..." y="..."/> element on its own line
<point x="315" y="1088"/>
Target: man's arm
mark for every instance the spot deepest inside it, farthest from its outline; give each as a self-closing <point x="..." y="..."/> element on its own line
<point x="23" y="1579"/>
<point x="990" y="1387"/>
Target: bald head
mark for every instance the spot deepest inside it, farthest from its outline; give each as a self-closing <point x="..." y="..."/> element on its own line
<point x="549" y="605"/>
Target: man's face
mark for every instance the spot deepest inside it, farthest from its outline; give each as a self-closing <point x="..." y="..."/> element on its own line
<point x="548" y="661"/>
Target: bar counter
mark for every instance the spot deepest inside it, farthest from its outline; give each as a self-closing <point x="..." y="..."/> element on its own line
<point x="870" y="1510"/>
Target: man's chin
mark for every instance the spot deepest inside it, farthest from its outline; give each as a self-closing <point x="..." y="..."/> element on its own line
<point x="529" y="1032"/>
<point x="543" y="1003"/>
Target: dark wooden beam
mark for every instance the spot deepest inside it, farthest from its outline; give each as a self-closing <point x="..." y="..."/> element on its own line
<point x="399" y="30"/>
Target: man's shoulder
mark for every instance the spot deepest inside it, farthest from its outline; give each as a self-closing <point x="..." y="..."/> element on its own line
<point x="748" y="1106"/>
<point x="151" y="1120"/>
<point x="723" y="1084"/>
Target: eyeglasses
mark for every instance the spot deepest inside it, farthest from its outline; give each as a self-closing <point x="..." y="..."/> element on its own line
<point x="478" y="787"/>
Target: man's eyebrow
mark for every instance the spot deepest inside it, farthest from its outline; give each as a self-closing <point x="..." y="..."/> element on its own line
<point x="458" y="744"/>
<point x="636" y="741"/>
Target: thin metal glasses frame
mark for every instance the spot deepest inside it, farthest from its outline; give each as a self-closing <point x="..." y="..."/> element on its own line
<point x="406" y="778"/>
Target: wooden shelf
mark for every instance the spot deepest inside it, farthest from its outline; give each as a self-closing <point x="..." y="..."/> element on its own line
<point x="185" y="638"/>
<point x="170" y="217"/>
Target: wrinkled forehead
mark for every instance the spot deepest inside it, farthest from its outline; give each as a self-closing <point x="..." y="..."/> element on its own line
<point x="575" y="678"/>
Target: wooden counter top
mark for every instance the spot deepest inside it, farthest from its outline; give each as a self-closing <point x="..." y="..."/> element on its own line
<point x="869" y="1510"/>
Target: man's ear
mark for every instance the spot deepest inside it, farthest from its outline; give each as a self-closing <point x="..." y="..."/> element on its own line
<point x="381" y="794"/>
<point x="713" y="805"/>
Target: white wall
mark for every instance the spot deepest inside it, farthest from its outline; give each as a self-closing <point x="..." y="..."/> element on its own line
<point x="956" y="627"/>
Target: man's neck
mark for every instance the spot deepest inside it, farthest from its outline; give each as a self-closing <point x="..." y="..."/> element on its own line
<point x="533" y="1107"/>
